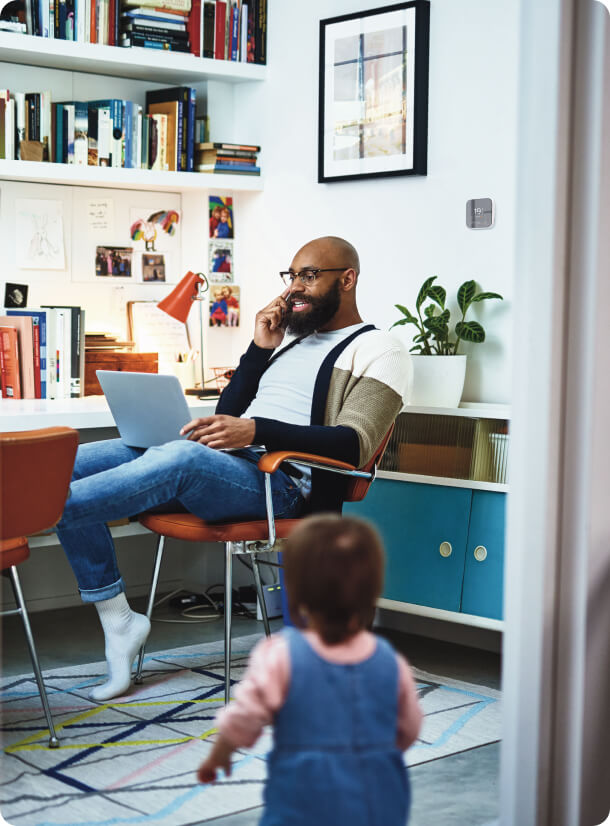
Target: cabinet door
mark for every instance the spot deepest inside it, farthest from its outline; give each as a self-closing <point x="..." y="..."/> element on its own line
<point x="483" y="574"/>
<point x="414" y="520"/>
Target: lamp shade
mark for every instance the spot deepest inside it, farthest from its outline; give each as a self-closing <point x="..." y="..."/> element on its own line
<point x="179" y="302"/>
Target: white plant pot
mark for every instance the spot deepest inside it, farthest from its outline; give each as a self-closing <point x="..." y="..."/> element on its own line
<point x="438" y="381"/>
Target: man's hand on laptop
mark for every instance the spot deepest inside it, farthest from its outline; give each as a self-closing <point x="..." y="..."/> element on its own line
<point x="220" y="431"/>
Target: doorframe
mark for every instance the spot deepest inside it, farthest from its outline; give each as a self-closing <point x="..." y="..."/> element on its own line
<point x="556" y="368"/>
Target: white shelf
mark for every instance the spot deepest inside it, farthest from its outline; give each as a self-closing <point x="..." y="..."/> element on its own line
<point x="114" y="178"/>
<point x="153" y="65"/>
<point x="469" y="410"/>
<point x="83" y="414"/>
<point x="440" y="614"/>
<point x="445" y="481"/>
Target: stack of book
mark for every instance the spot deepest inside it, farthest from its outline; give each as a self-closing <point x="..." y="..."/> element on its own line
<point x="156" y="24"/>
<point x="106" y="341"/>
<point x="234" y="158"/>
<point x="42" y="353"/>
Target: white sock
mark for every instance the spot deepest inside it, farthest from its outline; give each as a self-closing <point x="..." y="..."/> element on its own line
<point x="125" y="632"/>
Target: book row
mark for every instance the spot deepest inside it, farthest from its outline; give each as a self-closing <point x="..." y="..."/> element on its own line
<point x="165" y="134"/>
<point x="42" y="353"/>
<point x="220" y="29"/>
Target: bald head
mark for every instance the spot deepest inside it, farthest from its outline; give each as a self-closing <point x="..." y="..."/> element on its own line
<point x="334" y="251"/>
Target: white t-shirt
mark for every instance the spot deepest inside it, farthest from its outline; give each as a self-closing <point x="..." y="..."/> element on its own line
<point x="286" y="388"/>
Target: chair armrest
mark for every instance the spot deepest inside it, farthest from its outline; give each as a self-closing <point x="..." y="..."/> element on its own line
<point x="270" y="462"/>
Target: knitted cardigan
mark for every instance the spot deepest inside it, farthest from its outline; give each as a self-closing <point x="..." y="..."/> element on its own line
<point x="361" y="386"/>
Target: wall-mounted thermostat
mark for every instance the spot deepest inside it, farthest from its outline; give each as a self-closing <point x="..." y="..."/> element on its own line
<point x="480" y="213"/>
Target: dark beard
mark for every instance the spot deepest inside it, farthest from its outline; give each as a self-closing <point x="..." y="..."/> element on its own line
<point x="322" y="310"/>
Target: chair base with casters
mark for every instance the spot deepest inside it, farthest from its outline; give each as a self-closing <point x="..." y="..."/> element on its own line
<point x="251" y="537"/>
<point x="12" y="553"/>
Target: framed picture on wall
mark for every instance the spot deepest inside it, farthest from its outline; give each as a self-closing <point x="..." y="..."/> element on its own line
<point x="373" y="104"/>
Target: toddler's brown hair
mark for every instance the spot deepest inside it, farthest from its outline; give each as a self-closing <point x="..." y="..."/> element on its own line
<point x="333" y="569"/>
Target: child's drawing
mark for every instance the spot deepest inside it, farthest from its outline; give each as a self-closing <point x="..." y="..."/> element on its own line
<point x="40" y="235"/>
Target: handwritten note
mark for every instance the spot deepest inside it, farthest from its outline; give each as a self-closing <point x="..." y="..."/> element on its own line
<point x="100" y="216"/>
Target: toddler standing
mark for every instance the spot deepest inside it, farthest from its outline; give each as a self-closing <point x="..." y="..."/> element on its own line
<point x="342" y="702"/>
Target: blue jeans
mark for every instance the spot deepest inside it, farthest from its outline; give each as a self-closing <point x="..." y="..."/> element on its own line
<point x="112" y="481"/>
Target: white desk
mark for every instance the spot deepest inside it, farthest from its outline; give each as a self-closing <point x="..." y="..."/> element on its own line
<point x="87" y="413"/>
<point x="46" y="578"/>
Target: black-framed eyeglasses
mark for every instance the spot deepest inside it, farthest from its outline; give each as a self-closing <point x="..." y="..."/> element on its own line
<point x="308" y="275"/>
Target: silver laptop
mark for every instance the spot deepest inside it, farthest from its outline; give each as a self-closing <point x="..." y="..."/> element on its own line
<point x="148" y="408"/>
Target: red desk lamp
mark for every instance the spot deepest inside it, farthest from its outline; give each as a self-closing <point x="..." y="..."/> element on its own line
<point x="178" y="304"/>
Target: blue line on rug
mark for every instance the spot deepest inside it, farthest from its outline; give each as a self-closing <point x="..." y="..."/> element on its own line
<point x="169" y="809"/>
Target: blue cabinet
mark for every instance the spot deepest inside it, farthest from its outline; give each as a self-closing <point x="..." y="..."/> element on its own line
<point x="483" y="572"/>
<point x="430" y="534"/>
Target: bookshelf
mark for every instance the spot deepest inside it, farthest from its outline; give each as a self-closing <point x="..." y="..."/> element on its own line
<point x="86" y="64"/>
<point x="171" y="68"/>
<point x="137" y="179"/>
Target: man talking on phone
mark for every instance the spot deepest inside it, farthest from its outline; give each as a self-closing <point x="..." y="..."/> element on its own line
<point x="315" y="379"/>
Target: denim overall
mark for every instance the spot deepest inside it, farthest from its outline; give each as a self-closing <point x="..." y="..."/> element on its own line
<point x="335" y="760"/>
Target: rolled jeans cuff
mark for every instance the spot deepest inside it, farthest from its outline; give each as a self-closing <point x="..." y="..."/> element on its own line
<point x="107" y="592"/>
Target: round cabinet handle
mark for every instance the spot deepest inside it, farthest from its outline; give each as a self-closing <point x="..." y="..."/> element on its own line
<point x="445" y="549"/>
<point x="480" y="553"/>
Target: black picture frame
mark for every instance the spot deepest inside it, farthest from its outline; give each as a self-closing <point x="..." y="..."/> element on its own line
<point x="353" y="144"/>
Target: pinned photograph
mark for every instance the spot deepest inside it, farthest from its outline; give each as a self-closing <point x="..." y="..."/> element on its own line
<point x="113" y="261"/>
<point x="153" y="268"/>
<point x="221" y="217"/>
<point x="15" y="295"/>
<point x="224" y="306"/>
<point x="221" y="261"/>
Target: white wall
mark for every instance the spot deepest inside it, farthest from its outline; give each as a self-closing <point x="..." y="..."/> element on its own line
<point x="405" y="228"/>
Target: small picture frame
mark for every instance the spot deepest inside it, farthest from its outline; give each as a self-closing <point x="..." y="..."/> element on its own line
<point x="221" y="261"/>
<point x="15" y="295"/>
<point x="221" y="220"/>
<point x="373" y="100"/>
<point x="153" y="268"/>
<point x="224" y="306"/>
<point x="113" y="262"/>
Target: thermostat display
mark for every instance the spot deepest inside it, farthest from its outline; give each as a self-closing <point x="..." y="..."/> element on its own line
<point x="480" y="213"/>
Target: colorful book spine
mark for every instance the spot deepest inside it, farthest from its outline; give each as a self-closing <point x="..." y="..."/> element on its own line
<point x="39" y="329"/>
<point x="81" y="126"/>
<point x="234" y="30"/>
<point x="190" y="141"/>
<point x="9" y="363"/>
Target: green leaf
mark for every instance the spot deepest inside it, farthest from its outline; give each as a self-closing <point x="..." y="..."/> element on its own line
<point x="438" y="294"/>
<point x="483" y="296"/>
<point x="429" y="310"/>
<point x="470" y="331"/>
<point x="465" y="295"/>
<point x="422" y="337"/>
<point x="437" y="322"/>
<point x="400" y="322"/>
<point x="423" y="292"/>
<point x="416" y="348"/>
<point x="406" y="312"/>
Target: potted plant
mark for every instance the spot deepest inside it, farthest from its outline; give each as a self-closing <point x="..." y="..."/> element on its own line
<point x="439" y="381"/>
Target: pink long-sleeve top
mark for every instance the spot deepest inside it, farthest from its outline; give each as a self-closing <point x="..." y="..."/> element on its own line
<point x="264" y="687"/>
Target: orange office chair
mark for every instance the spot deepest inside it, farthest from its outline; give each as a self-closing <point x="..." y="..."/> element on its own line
<point x="35" y="472"/>
<point x="251" y="537"/>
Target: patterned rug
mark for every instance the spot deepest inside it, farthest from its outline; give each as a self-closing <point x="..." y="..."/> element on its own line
<point x="133" y="760"/>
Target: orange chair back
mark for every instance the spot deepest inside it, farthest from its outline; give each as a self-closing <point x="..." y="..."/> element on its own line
<point x="356" y="489"/>
<point x="35" y="472"/>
